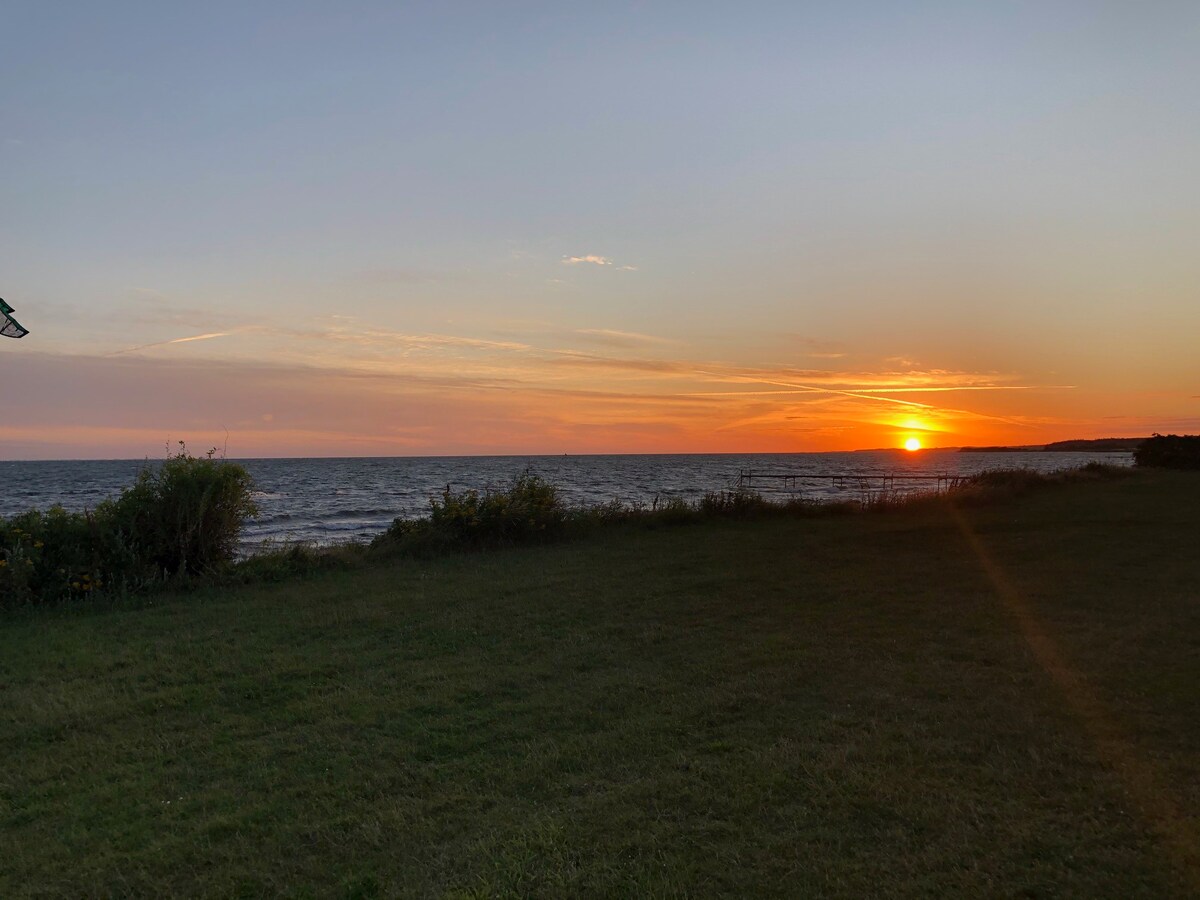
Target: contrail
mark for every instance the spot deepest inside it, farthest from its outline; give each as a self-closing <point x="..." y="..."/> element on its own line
<point x="182" y="340"/>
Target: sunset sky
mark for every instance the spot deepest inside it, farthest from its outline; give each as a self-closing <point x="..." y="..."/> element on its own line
<point x="438" y="228"/>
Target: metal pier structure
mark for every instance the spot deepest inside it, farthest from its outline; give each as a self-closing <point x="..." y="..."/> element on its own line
<point x="866" y="482"/>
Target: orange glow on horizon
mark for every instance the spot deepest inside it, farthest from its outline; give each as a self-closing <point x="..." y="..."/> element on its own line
<point x="437" y="395"/>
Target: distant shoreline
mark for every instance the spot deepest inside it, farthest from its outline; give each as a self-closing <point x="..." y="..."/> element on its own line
<point x="1098" y="445"/>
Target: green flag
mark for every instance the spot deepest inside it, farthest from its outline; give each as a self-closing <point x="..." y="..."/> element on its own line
<point x="10" y="327"/>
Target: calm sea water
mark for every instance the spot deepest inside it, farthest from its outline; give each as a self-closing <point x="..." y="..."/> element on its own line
<point x="332" y="500"/>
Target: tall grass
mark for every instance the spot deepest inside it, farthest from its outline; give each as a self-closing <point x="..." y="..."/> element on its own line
<point x="529" y="510"/>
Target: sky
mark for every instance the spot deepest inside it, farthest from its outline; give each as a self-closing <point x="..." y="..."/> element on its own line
<point x="316" y="229"/>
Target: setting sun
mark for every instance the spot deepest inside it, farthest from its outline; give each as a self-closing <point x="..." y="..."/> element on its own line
<point x="912" y="444"/>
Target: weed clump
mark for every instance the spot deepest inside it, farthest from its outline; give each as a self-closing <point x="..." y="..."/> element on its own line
<point x="273" y="564"/>
<point x="736" y="504"/>
<point x="530" y="510"/>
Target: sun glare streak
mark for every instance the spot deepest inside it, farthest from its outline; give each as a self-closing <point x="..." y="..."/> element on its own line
<point x="1114" y="748"/>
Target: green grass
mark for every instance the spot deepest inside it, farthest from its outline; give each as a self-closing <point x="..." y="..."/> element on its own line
<point x="1000" y="701"/>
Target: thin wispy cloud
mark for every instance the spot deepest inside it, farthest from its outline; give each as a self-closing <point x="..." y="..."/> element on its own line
<point x="542" y="377"/>
<point x="614" y="338"/>
<point x="592" y="259"/>
<point x="182" y="340"/>
<point x="384" y="337"/>
<point x="200" y="337"/>
<point x="904" y="390"/>
<point x="820" y="349"/>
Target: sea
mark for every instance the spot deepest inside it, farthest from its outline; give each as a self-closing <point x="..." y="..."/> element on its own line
<point x="329" y="501"/>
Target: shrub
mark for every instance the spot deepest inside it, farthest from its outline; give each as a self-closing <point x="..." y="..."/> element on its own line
<point x="1169" y="451"/>
<point x="181" y="518"/>
<point x="53" y="555"/>
<point x="185" y="516"/>
<point x="529" y="510"/>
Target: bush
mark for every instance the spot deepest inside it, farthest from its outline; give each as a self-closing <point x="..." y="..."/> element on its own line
<point x="57" y="555"/>
<point x="185" y="516"/>
<point x="1169" y="451"/>
<point x="179" y="519"/>
<point x="528" y="511"/>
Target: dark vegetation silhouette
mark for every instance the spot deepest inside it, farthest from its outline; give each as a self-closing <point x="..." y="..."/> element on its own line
<point x="180" y="520"/>
<point x="180" y="523"/>
<point x="1169" y="451"/>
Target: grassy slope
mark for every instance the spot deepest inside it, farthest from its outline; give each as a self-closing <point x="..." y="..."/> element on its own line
<point x="844" y="706"/>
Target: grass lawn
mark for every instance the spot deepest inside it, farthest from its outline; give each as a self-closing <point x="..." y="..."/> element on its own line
<point x="1002" y="701"/>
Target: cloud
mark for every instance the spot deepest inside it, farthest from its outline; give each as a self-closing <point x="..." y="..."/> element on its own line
<point x="596" y="261"/>
<point x="339" y="385"/>
<point x="131" y="406"/>
<point x="613" y="338"/>
<point x="199" y="337"/>
<point x="388" y="338"/>
<point x="820" y="349"/>
<point x="573" y="359"/>
<point x="182" y="340"/>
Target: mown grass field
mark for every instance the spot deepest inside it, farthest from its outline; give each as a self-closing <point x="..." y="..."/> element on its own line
<point x="998" y="701"/>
